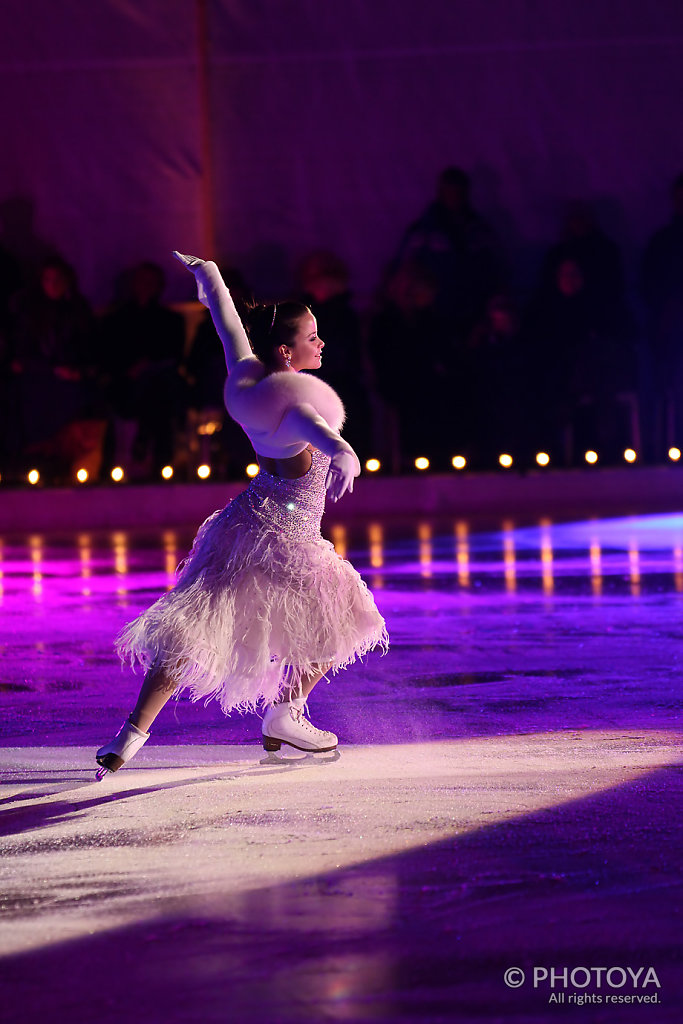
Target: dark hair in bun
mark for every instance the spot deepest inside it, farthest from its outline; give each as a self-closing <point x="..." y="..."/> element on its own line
<point x="272" y="325"/>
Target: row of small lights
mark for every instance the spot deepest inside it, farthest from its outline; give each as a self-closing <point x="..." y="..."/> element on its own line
<point x="506" y="460"/>
<point x="118" y="474"/>
<point x="372" y="465"/>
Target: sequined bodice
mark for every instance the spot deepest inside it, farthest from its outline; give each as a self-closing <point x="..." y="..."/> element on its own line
<point x="292" y="506"/>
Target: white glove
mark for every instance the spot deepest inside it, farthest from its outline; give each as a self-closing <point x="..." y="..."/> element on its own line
<point x="344" y="466"/>
<point x="193" y="264"/>
<point x="188" y="261"/>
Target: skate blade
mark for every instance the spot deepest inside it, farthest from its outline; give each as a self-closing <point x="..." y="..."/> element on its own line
<point x="272" y="744"/>
<point x="108" y="763"/>
<point x="304" y="759"/>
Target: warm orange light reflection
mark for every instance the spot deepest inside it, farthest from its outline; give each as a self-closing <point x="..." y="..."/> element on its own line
<point x="509" y="563"/>
<point x="373" y="465"/>
<point x="85" y="553"/>
<point x="634" y="567"/>
<point x="376" y="544"/>
<point x="167" y="472"/>
<point x="35" y="543"/>
<point x="421" y="463"/>
<point x="678" y="568"/>
<point x="462" y="553"/>
<point x="424" y="536"/>
<point x="119" y="543"/>
<point x="339" y="539"/>
<point x="596" y="567"/>
<point x="252" y="469"/>
<point x="170" y="540"/>
<point x="546" y="557"/>
<point x="204" y="471"/>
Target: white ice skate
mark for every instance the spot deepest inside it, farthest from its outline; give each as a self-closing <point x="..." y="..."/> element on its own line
<point x="286" y="723"/>
<point x="125" y="745"/>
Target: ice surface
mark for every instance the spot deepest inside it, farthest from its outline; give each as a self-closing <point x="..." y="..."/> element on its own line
<point x="508" y="791"/>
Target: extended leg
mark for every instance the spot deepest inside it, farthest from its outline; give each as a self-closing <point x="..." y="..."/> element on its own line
<point x="155" y="691"/>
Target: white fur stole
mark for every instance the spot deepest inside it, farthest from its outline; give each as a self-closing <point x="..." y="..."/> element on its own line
<point x="259" y="403"/>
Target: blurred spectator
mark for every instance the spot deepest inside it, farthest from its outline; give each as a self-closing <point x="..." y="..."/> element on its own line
<point x="459" y="249"/>
<point x="143" y="344"/>
<point x="10" y="282"/>
<point x="411" y="372"/>
<point x="324" y="281"/>
<point x="59" y="416"/>
<point x="18" y="230"/>
<point x="498" y="387"/>
<point x="662" y="276"/>
<point x="597" y="256"/>
<point x="213" y="436"/>
<point x="584" y="366"/>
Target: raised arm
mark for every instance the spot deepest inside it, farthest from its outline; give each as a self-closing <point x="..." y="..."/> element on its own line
<point x="303" y="423"/>
<point x="213" y="293"/>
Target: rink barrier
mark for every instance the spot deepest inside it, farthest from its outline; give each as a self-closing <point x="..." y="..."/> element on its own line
<point x="565" y="493"/>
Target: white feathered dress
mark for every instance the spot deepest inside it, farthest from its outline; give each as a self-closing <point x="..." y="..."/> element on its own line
<point x="262" y="600"/>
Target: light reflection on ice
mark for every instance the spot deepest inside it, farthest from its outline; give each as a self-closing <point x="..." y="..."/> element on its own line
<point x="170" y="540"/>
<point x="510" y="570"/>
<point x="634" y="567"/>
<point x="36" y="545"/>
<point x="376" y="545"/>
<point x="339" y="539"/>
<point x="85" y="552"/>
<point x="678" y="567"/>
<point x="119" y="542"/>
<point x="648" y="533"/>
<point x="462" y="553"/>
<point x="547" y="556"/>
<point x="596" y="567"/>
<point x="626" y="554"/>
<point x="425" y="554"/>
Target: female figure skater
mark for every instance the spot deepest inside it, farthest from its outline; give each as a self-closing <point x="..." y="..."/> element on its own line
<point x="263" y="606"/>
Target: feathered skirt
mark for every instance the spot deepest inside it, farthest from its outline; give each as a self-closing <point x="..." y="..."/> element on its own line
<point x="261" y="602"/>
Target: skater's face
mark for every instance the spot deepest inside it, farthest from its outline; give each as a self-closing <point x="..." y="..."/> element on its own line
<point x="306" y="348"/>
